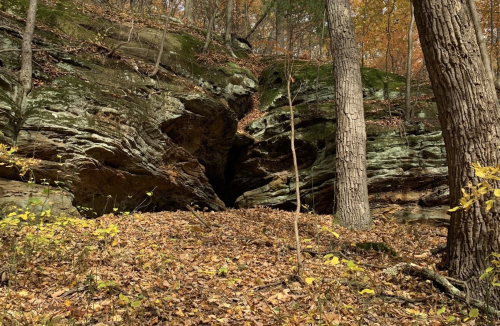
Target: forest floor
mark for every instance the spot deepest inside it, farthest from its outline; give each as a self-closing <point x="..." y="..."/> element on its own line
<point x="168" y="268"/>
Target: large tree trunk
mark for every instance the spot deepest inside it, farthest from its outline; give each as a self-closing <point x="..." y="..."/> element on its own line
<point x="27" y="53"/>
<point x="471" y="129"/>
<point x="351" y="193"/>
<point x="408" y="109"/>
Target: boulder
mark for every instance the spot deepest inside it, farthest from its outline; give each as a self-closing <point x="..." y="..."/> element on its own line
<point x="37" y="198"/>
<point x="110" y="135"/>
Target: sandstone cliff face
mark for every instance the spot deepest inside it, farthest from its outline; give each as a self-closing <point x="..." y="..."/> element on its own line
<point x="110" y="134"/>
<point x="404" y="165"/>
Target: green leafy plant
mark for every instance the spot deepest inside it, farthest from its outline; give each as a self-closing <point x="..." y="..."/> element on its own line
<point x="110" y="232"/>
<point x="124" y="300"/>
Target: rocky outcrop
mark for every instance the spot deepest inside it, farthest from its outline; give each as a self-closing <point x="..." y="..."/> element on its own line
<point x="38" y="198"/>
<point x="115" y="138"/>
<point x="273" y="85"/>
<point x="110" y="135"/>
<point x="404" y="164"/>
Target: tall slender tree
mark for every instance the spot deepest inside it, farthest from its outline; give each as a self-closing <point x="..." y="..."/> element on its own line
<point x="212" y="7"/>
<point x="162" y="43"/>
<point x="408" y="107"/>
<point x="470" y="123"/>
<point x="351" y="193"/>
<point x="480" y="38"/>
<point x="229" y="22"/>
<point x="25" y="74"/>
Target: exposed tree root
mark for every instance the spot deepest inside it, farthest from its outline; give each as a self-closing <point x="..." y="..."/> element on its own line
<point x="443" y="281"/>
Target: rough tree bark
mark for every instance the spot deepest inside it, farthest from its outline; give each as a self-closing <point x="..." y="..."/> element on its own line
<point x="471" y="129"/>
<point x="351" y="193"/>
<point x="408" y="110"/>
<point x="497" y="81"/>
<point x="25" y="74"/>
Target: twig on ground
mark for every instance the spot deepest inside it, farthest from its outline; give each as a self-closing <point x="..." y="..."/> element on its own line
<point x="199" y="217"/>
<point x="269" y="285"/>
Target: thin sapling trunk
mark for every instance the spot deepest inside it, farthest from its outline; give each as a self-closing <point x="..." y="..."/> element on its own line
<point x="25" y="75"/>
<point x="296" y="170"/>
<point x="408" y="110"/>
<point x="162" y="44"/>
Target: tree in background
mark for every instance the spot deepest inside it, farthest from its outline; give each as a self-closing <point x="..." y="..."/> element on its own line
<point x="280" y="23"/>
<point x="480" y="39"/>
<point x="471" y="129"/>
<point x="408" y="108"/>
<point x="25" y="74"/>
<point x="229" y="22"/>
<point x="372" y="27"/>
<point x="212" y="7"/>
<point x="164" y="34"/>
<point x="351" y="190"/>
<point x="188" y="11"/>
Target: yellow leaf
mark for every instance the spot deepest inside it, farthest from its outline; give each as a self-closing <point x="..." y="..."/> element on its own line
<point x="369" y="291"/>
<point x="489" y="204"/>
<point x="468" y="204"/>
<point x="310" y="280"/>
<point x="333" y="262"/>
<point x="454" y="209"/>
<point x="67" y="303"/>
<point x="480" y="174"/>
<point x="116" y="318"/>
<point x="497" y="192"/>
<point x="23" y="293"/>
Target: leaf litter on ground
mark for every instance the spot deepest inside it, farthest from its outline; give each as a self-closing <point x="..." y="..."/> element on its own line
<point x="168" y="268"/>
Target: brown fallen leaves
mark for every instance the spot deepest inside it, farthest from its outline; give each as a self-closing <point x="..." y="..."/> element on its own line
<point x="168" y="269"/>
